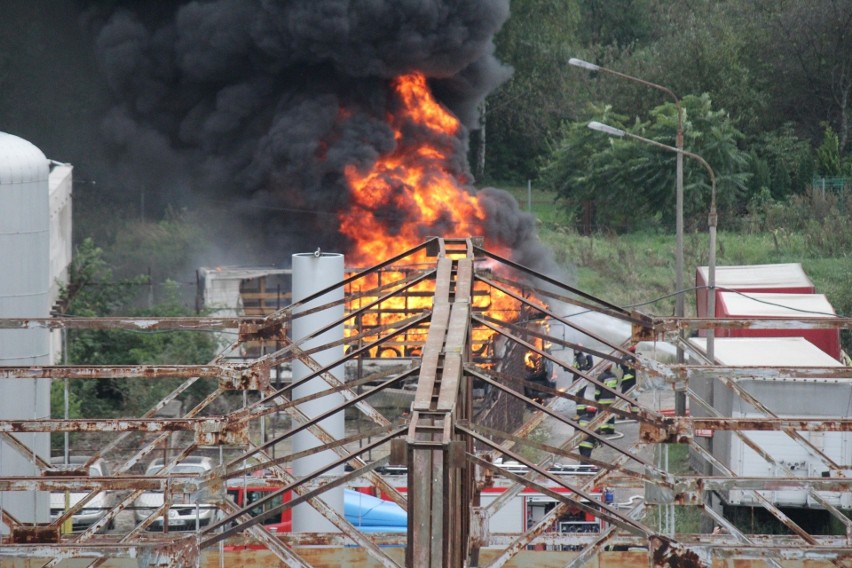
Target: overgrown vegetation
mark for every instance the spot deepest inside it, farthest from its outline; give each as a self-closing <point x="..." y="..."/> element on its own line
<point x="638" y="268"/>
<point x="780" y="73"/>
<point x="93" y="291"/>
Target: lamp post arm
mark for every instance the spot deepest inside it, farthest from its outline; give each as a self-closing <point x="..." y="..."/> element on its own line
<point x="695" y="157"/>
<point x="666" y="90"/>
<point x="679" y="307"/>
<point x="592" y="67"/>
<point x="711" y="222"/>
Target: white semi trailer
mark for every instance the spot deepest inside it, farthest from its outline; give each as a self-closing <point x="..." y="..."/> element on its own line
<point x="787" y="398"/>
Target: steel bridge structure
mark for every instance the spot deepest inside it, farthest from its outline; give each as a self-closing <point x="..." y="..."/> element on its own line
<point x="449" y="452"/>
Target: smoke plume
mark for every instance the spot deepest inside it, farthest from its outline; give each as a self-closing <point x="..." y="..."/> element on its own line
<point x="259" y="105"/>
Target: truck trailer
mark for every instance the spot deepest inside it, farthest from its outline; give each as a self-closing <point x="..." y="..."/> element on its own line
<point x="786" y="398"/>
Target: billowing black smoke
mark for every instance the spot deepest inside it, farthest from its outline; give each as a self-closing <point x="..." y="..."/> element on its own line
<point x="260" y="104"/>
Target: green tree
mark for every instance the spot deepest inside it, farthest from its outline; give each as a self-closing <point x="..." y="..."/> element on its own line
<point x="828" y="162"/>
<point x="522" y="113"/>
<point x="621" y="23"/>
<point x="782" y="162"/>
<point x="706" y="49"/>
<point x="92" y="291"/>
<point x="578" y="166"/>
<point x="806" y="51"/>
<point x="633" y="184"/>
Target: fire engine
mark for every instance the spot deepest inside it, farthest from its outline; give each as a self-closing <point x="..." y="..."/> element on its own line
<point x="372" y="511"/>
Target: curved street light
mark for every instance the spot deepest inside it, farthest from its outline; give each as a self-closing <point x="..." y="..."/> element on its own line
<point x="680" y="398"/>
<point x="711" y="221"/>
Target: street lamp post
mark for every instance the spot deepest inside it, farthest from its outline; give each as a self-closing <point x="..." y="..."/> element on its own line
<point x="711" y="260"/>
<point x="680" y="397"/>
<point x="711" y="220"/>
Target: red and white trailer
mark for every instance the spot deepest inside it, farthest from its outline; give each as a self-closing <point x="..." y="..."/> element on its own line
<point x="787" y="278"/>
<point x="780" y="306"/>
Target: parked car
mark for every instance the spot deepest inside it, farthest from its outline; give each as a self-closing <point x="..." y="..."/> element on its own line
<point x="92" y="511"/>
<point x="193" y="512"/>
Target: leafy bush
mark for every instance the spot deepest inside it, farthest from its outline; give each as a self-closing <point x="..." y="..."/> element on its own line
<point x="631" y="183"/>
<point x="92" y="291"/>
<point x="822" y="219"/>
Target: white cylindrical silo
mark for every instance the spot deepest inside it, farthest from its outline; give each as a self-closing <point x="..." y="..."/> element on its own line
<point x="24" y="293"/>
<point x="313" y="272"/>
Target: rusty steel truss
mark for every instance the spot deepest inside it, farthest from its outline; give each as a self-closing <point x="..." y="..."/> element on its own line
<point x="443" y="439"/>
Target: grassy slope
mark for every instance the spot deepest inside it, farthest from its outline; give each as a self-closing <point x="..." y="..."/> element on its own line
<point x="636" y="268"/>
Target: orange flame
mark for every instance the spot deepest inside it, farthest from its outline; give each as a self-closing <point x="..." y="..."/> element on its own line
<point x="411" y="194"/>
<point x="407" y="194"/>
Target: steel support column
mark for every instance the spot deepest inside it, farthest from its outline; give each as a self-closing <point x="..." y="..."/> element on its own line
<point x="439" y="476"/>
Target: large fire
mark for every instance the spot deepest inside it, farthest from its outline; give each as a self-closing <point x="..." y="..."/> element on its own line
<point x="409" y="195"/>
<point x="411" y="190"/>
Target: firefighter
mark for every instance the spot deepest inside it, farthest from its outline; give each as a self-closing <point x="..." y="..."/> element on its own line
<point x="582" y="362"/>
<point x="605" y="399"/>
<point x="589" y="442"/>
<point x="628" y="376"/>
<point x="539" y="371"/>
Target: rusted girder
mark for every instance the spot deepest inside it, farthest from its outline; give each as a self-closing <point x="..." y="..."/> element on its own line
<point x="330" y="443"/>
<point x="666" y="552"/>
<point x="759" y="497"/>
<point x="177" y="483"/>
<point x="208" y="431"/>
<point x="269" y="540"/>
<point x="444" y="403"/>
<point x="439" y="505"/>
<point x="556" y="317"/>
<point x="131" y="323"/>
<point x="633" y="317"/>
<point x="630" y="477"/>
<point x="33" y="534"/>
<point x="116" y="371"/>
<point x="24" y="451"/>
<point x="684" y="372"/>
<point x="688" y="490"/>
<point x="587" y="430"/>
<point x="135" y="550"/>
<point x="679" y="430"/>
<point x="244" y="378"/>
<point x="212" y="533"/>
<point x="334" y="517"/>
<point x="102" y="425"/>
<point x="554" y="282"/>
<point x="578" y="498"/>
<point x="233" y="376"/>
<point x="662" y="325"/>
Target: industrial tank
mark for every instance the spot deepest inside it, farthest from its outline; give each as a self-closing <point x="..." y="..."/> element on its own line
<point x="24" y="292"/>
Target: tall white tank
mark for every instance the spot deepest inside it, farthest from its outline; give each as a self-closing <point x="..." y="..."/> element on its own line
<point x="313" y="272"/>
<point x="24" y="292"/>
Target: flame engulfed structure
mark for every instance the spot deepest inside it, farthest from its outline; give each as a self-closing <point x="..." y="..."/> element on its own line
<point x="414" y="182"/>
<point x="411" y="193"/>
